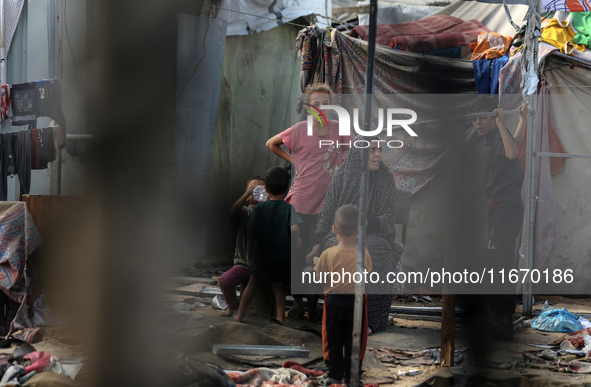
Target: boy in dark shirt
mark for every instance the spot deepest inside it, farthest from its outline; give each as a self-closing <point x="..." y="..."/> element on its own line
<point x="274" y="224"/>
<point x="240" y="273"/>
<point x="502" y="188"/>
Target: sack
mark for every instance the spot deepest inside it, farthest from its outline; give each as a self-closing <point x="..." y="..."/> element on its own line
<point x="556" y="320"/>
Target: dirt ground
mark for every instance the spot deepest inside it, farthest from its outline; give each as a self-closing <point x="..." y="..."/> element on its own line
<point x="506" y="366"/>
<point x="195" y="329"/>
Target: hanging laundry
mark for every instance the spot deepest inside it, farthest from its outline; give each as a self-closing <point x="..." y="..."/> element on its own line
<point x="42" y="147"/>
<point x="37" y="99"/>
<point x="15" y="159"/>
<point x="582" y="23"/>
<point x="5" y="102"/>
<point x="490" y="45"/>
<point x="561" y="35"/>
<point x="486" y="74"/>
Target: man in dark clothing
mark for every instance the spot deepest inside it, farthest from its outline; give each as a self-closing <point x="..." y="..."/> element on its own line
<point x="502" y="188"/>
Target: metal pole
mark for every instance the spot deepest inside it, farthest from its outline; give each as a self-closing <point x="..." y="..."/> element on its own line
<point x="359" y="287"/>
<point x="530" y="172"/>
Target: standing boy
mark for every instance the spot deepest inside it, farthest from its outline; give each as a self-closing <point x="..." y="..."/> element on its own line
<point x="274" y="223"/>
<point x="339" y="300"/>
<point x="240" y="272"/>
<point x="502" y="188"/>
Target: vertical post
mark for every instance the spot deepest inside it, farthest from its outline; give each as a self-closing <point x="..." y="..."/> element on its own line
<point x="530" y="172"/>
<point x="359" y="287"/>
<point x="451" y="248"/>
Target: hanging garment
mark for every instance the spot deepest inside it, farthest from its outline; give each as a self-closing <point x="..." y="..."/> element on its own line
<point x="582" y="23"/>
<point x="37" y="99"/>
<point x="490" y="45"/>
<point x="561" y="35"/>
<point x="15" y="160"/>
<point x="486" y="74"/>
<point x="5" y="102"/>
<point x="42" y="148"/>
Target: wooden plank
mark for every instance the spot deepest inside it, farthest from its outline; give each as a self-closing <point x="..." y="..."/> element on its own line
<point x="259" y="350"/>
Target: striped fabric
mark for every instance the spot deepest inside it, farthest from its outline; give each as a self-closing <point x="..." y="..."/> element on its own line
<point x="18" y="239"/>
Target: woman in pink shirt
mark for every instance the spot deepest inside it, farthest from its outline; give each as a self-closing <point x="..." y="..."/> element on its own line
<point x="315" y="158"/>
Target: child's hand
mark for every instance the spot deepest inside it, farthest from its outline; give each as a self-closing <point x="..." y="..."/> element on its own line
<point x="298" y="242"/>
<point x="251" y="186"/>
<point x="309" y="260"/>
<point x="523" y="113"/>
<point x="500" y="116"/>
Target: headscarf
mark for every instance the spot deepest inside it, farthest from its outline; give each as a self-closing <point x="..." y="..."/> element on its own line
<point x="344" y="189"/>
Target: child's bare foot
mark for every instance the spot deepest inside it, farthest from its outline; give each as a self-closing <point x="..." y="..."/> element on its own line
<point x="228" y="313"/>
<point x="238" y="317"/>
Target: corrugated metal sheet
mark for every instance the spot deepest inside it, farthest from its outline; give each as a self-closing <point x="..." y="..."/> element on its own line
<point x="259" y="81"/>
<point x="200" y="54"/>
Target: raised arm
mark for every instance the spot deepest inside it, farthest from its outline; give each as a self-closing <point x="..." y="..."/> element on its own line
<point x="274" y="144"/>
<point x="511" y="149"/>
<point x="522" y="126"/>
<point x="242" y="199"/>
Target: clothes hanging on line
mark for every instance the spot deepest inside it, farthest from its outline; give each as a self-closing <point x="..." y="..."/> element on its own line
<point x="31" y="100"/>
<point x="486" y="74"/>
<point x="15" y="159"/>
<point x="5" y="102"/>
<point x="42" y="147"/>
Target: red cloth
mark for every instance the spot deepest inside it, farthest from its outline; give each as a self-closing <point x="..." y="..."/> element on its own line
<point x="576" y="338"/>
<point x="431" y="33"/>
<point x="39" y="361"/>
<point x="556" y="163"/>
<point x="298" y="367"/>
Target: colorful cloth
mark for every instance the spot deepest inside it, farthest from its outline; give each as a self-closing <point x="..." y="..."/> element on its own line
<point x="490" y="45"/>
<point x="18" y="239"/>
<point x="561" y="35"/>
<point x="577" y="339"/>
<point x="314" y="165"/>
<point x="5" y="102"/>
<point x="582" y="23"/>
<point x="40" y="360"/>
<point x="565" y="5"/>
<point x="298" y="367"/>
<point x="486" y="74"/>
<point x="430" y="33"/>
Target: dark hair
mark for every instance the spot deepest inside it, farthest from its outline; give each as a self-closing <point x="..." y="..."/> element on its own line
<point x="317" y="88"/>
<point x="277" y="180"/>
<point x="254" y="178"/>
<point x="346" y="219"/>
<point x="483" y="104"/>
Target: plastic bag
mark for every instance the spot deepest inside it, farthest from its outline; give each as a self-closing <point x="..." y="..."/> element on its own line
<point x="556" y="320"/>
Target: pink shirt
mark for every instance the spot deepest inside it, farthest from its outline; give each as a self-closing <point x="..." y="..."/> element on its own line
<point x="314" y="165"/>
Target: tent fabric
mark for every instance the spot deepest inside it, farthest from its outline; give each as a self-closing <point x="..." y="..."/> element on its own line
<point x="399" y="12"/>
<point x="569" y="102"/>
<point x="397" y="73"/>
<point x="248" y="17"/>
<point x="549" y="5"/>
<point x="19" y="239"/>
<point x="491" y="15"/>
<point x="431" y="33"/>
<point x="11" y="13"/>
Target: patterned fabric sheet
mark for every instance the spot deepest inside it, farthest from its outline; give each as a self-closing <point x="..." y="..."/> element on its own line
<point x="396" y="74"/>
<point x="431" y="33"/>
<point x="18" y="239"/>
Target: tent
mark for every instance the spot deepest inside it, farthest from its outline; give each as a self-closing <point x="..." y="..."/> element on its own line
<point x="411" y="73"/>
